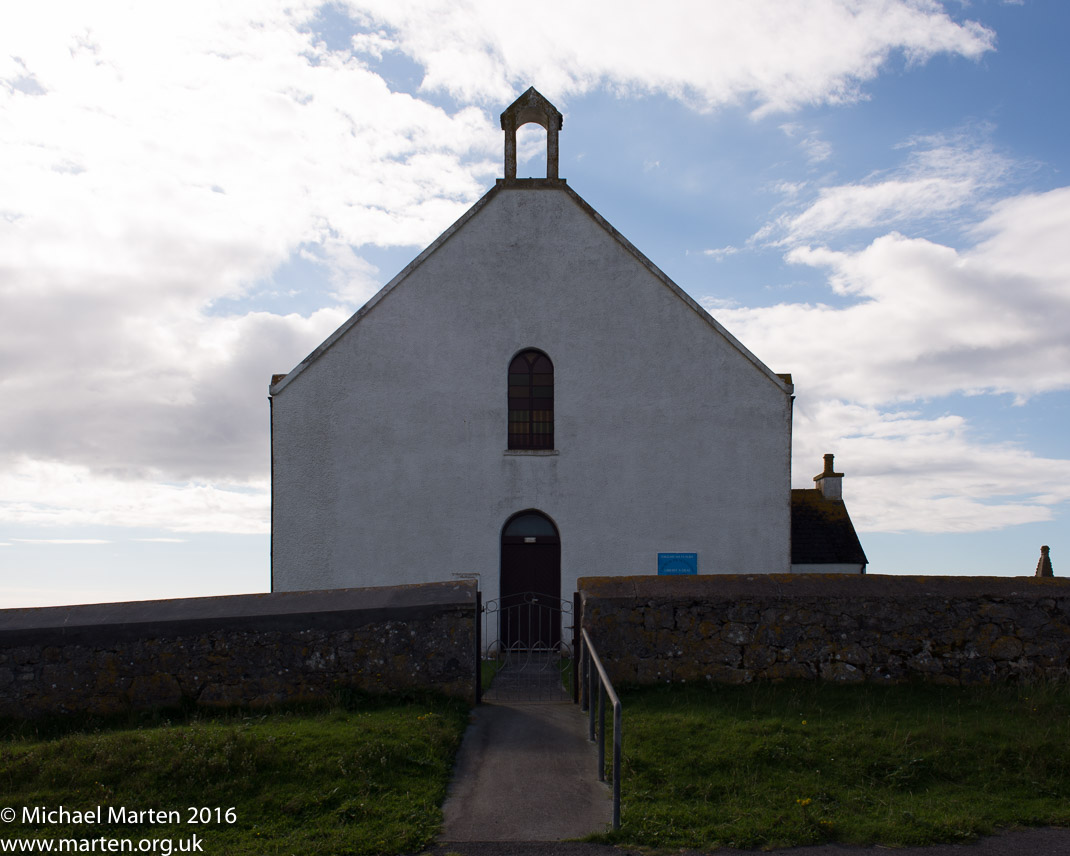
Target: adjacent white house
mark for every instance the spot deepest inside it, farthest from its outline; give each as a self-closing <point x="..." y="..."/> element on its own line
<point x="531" y="400"/>
<point x="823" y="538"/>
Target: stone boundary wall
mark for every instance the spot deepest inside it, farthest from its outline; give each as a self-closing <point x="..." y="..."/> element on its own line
<point x="251" y="649"/>
<point x="835" y="627"/>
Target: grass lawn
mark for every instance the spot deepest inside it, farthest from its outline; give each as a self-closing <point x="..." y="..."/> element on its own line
<point x="760" y="765"/>
<point x="366" y="775"/>
<point x="802" y="763"/>
<point x="487" y="670"/>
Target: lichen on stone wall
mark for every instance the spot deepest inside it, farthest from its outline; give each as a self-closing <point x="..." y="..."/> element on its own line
<point x="267" y="662"/>
<point x="738" y="629"/>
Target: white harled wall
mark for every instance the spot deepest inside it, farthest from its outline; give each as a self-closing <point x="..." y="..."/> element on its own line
<point x="389" y="449"/>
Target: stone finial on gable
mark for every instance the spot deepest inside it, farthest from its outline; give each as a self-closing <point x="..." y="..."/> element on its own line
<point x="828" y="482"/>
<point x="531" y="107"/>
<point x="1044" y="565"/>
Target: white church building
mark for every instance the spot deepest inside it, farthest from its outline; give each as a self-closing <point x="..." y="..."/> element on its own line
<point x="531" y="400"/>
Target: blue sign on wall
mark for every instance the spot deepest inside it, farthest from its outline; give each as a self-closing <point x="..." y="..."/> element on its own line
<point x="677" y="564"/>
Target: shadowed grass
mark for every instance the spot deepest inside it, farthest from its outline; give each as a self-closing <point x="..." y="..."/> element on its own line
<point x="488" y="669"/>
<point x="760" y="765"/>
<point x="802" y="763"/>
<point x="366" y="775"/>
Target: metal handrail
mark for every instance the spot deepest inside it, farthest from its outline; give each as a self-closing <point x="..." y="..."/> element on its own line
<point x="589" y="654"/>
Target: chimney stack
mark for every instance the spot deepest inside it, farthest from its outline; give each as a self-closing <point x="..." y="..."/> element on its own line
<point x="830" y="483"/>
<point x="1044" y="565"/>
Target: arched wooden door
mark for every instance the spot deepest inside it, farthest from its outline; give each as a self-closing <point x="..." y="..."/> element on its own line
<point x="530" y="583"/>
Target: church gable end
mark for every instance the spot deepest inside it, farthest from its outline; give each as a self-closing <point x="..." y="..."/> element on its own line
<point x="510" y="247"/>
<point x="402" y="444"/>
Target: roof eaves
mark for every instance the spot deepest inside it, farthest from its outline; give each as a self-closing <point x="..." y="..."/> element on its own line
<point x="276" y="388"/>
<point x="777" y="379"/>
<point x="780" y="381"/>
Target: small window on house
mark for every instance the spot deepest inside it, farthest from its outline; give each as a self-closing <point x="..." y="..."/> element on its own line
<point x="531" y="401"/>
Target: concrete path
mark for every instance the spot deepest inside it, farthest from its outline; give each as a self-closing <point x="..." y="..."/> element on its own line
<point x="526" y="772"/>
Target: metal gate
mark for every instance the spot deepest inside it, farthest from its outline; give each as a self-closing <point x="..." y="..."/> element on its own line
<point x="524" y="654"/>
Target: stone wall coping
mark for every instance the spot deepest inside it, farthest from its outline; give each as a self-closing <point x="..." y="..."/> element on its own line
<point x="722" y="586"/>
<point x="287" y="610"/>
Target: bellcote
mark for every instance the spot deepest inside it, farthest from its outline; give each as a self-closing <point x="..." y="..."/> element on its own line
<point x="531" y="107"/>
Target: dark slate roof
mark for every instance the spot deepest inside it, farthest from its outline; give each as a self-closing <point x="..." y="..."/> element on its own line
<point x="821" y="531"/>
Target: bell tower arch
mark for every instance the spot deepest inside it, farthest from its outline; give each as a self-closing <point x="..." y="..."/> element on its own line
<point x="531" y="107"/>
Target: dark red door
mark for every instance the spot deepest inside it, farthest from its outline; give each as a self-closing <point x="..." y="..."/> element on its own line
<point x="530" y="594"/>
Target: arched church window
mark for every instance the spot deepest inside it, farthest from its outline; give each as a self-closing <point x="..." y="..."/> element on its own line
<point x="531" y="401"/>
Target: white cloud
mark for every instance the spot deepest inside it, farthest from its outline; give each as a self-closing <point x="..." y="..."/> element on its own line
<point x="817" y="150"/>
<point x="40" y="493"/>
<point x="62" y="541"/>
<point x="136" y="394"/>
<point x="224" y="129"/>
<point x="780" y="56"/>
<point x="928" y="321"/>
<point x="909" y="473"/>
<point x="168" y="158"/>
<point x="354" y="279"/>
<point x="856" y="206"/>
<point x="789" y="189"/>
<point x="1024" y="239"/>
<point x="938" y="180"/>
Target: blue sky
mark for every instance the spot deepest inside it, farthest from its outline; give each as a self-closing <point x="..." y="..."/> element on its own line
<point x="872" y="196"/>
